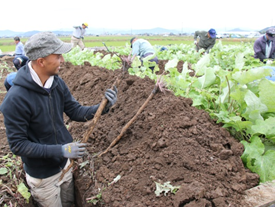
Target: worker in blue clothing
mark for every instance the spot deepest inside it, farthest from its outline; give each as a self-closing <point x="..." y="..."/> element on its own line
<point x="33" y="112"/>
<point x="144" y="50"/>
<point x="19" y="49"/>
<point x="8" y="83"/>
<point x="18" y="62"/>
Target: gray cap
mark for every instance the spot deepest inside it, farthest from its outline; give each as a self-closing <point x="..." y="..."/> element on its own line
<point x="43" y="44"/>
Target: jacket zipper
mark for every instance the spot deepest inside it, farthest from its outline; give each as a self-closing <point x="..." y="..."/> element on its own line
<point x="52" y="115"/>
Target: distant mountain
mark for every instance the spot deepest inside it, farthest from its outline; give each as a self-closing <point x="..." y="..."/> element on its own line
<point x="157" y="30"/>
<point x="92" y="31"/>
<point x="8" y="33"/>
<point x="238" y="30"/>
<point x="101" y="31"/>
<point x="30" y="33"/>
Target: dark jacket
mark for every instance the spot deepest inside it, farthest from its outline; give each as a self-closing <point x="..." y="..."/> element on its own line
<point x="260" y="48"/>
<point x="34" y="122"/>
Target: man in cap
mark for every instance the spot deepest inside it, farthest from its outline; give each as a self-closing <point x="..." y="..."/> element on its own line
<point x="33" y="115"/>
<point x="264" y="46"/>
<point x="207" y="40"/>
<point x="78" y="35"/>
<point x="144" y="50"/>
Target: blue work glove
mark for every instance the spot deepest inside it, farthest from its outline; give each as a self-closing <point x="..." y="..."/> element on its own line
<point x="111" y="95"/>
<point x="73" y="150"/>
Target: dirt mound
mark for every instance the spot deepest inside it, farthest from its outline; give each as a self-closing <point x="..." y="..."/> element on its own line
<point x="170" y="141"/>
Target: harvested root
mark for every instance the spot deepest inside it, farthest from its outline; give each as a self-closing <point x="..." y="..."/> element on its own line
<point x="160" y="86"/>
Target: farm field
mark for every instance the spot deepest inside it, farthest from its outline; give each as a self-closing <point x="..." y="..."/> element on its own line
<point x="7" y="44"/>
<point x="171" y="141"/>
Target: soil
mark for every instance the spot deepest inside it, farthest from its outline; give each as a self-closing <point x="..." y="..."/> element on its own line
<point x="171" y="141"/>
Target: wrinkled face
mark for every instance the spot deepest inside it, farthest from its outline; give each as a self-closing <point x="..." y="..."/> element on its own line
<point x="51" y="64"/>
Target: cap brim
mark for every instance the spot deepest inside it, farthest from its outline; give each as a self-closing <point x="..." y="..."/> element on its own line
<point x="212" y="35"/>
<point x="65" y="47"/>
<point x="271" y="38"/>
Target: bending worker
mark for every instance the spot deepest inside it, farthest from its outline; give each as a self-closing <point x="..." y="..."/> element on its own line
<point x="264" y="46"/>
<point x="19" y="61"/>
<point x="207" y="40"/>
<point x="33" y="115"/>
<point x="143" y="48"/>
<point x="78" y="35"/>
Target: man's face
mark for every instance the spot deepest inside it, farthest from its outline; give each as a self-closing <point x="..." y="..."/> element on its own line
<point x="83" y="26"/>
<point x="208" y="35"/>
<point x="52" y="64"/>
<point x="16" y="41"/>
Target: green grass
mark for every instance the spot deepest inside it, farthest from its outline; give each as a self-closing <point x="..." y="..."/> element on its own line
<point x="8" y="45"/>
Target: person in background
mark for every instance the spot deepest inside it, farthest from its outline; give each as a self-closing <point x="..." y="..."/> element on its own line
<point x="78" y="35"/>
<point x="8" y="83"/>
<point x="163" y="49"/>
<point x="143" y="49"/>
<point x="33" y="112"/>
<point x="20" y="61"/>
<point x="264" y="46"/>
<point x="207" y="40"/>
<point x="19" y="49"/>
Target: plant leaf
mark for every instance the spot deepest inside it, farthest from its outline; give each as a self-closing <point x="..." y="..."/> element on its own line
<point x="23" y="190"/>
<point x="254" y="106"/>
<point x="267" y="95"/>
<point x="3" y="171"/>
<point x="257" y="160"/>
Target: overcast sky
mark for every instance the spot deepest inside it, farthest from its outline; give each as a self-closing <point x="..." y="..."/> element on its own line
<point x="49" y="15"/>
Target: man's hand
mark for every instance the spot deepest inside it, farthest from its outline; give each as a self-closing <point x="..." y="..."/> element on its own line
<point x="195" y="42"/>
<point x="73" y="150"/>
<point x="111" y="95"/>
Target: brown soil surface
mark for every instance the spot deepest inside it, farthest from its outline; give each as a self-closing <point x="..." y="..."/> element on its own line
<point x="170" y="141"/>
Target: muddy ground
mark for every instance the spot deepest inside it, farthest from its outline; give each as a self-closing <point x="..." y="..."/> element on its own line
<point x="170" y="141"/>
